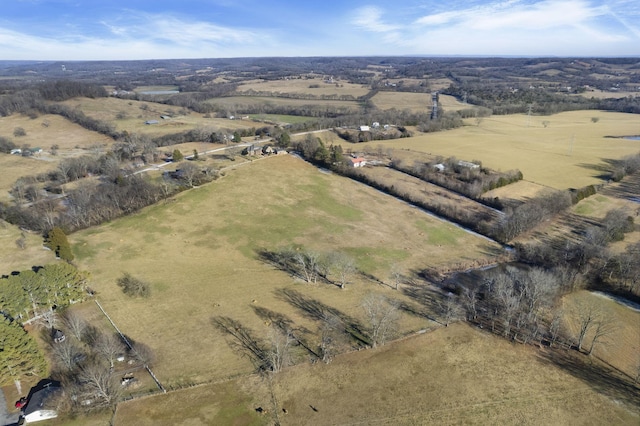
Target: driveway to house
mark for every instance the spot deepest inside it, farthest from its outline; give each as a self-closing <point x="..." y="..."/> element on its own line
<point x="6" y="418"/>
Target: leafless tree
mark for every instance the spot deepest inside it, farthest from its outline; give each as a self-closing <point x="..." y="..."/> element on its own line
<point x="382" y="315"/>
<point x="590" y="316"/>
<point x="279" y="352"/>
<point x="449" y="309"/>
<point x="109" y="346"/>
<point x="344" y="266"/>
<point x="555" y="326"/>
<point x="331" y="335"/>
<point x="396" y="275"/>
<point x="189" y="172"/>
<point x="308" y="263"/>
<point x="74" y="323"/>
<point x="99" y="385"/>
<point x="66" y="354"/>
<point x="469" y="298"/>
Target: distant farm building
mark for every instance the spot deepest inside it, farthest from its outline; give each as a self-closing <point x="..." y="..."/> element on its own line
<point x="357" y="161"/>
<point x="468" y="165"/>
<point x="364" y="128"/>
<point x="151" y="122"/>
<point x="439" y="167"/>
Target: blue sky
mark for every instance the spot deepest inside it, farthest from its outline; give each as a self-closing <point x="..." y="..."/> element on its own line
<point x="145" y="29"/>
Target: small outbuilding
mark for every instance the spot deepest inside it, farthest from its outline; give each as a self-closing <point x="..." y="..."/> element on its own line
<point x="148" y="122"/>
<point x="58" y="336"/>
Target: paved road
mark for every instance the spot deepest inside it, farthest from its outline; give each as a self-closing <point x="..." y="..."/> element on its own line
<point x="6" y="418"/>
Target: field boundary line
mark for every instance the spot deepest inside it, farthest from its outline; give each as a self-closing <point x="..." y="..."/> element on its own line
<point x="126" y="341"/>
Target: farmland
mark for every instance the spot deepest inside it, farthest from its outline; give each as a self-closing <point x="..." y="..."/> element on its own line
<point x="234" y="249"/>
<point x="571" y="142"/>
<point x="456" y="375"/>
<point x="298" y="206"/>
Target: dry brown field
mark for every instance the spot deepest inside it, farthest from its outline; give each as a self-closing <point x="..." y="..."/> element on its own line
<point x="48" y="130"/>
<point x="13" y="258"/>
<point x="136" y="113"/>
<point x="454" y="375"/>
<point x="199" y="254"/>
<point x="302" y="86"/>
<point x="569" y="153"/>
<point x="414" y="102"/>
<point x="13" y="167"/>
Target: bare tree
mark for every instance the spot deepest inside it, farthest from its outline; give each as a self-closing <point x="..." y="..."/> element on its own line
<point x="449" y="309"/>
<point x="591" y="317"/>
<point x="109" y="346"/>
<point x="308" y="263"/>
<point x="99" y="385"/>
<point x="396" y="275"/>
<point x="74" y="323"/>
<point x="382" y="316"/>
<point x="330" y="336"/>
<point x="279" y="352"/>
<point x="67" y="355"/>
<point x="555" y="326"/>
<point x="344" y="266"/>
<point x="469" y="299"/>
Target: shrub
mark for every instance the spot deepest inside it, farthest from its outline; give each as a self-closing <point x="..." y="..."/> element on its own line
<point x="133" y="287"/>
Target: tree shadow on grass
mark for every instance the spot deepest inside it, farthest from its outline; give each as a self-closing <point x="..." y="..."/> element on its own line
<point x="244" y="341"/>
<point x="318" y="311"/>
<point x="603" y="379"/>
<point x="286" y="326"/>
<point x="428" y="301"/>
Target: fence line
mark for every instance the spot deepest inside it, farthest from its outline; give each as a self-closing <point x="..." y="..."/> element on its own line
<point x="126" y="341"/>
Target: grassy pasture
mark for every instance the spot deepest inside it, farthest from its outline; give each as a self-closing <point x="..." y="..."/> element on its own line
<point x="569" y="153"/>
<point x="415" y="102"/>
<point x="13" y="258"/>
<point x="454" y="375"/>
<point x="13" y="167"/>
<point x="280" y="119"/>
<point x="199" y="254"/>
<point x="302" y="86"/>
<point x="244" y="102"/>
<point x="134" y="114"/>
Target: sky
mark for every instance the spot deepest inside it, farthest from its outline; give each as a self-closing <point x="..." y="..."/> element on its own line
<point x="175" y="29"/>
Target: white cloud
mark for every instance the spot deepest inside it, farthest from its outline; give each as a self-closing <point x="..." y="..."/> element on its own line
<point x="369" y="18"/>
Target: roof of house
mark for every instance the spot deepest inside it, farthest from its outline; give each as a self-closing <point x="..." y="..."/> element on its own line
<point x="39" y="399"/>
<point x="357" y="160"/>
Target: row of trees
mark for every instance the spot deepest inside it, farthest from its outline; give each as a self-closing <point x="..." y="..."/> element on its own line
<point x="310" y="266"/>
<point x="521" y="304"/>
<point x="285" y="344"/>
<point x="471" y="182"/>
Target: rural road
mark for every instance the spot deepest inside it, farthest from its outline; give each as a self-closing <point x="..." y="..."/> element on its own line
<point x="6" y="418"/>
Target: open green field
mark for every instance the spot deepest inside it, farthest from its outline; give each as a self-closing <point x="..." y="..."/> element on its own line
<point x="569" y="153"/>
<point x="455" y="375"/>
<point x="198" y="252"/>
<point x="303" y="86"/>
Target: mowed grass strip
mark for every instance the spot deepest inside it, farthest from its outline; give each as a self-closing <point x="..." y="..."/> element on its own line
<point x="569" y="153"/>
<point x="198" y="252"/>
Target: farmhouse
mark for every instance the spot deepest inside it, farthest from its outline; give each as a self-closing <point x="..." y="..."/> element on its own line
<point x="364" y="128"/>
<point x="40" y="405"/>
<point x="357" y="161"/>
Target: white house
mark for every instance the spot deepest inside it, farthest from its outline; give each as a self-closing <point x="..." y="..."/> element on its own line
<point x="357" y="161"/>
<point x="40" y="407"/>
<point x="364" y="128"/>
<point x="468" y="164"/>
